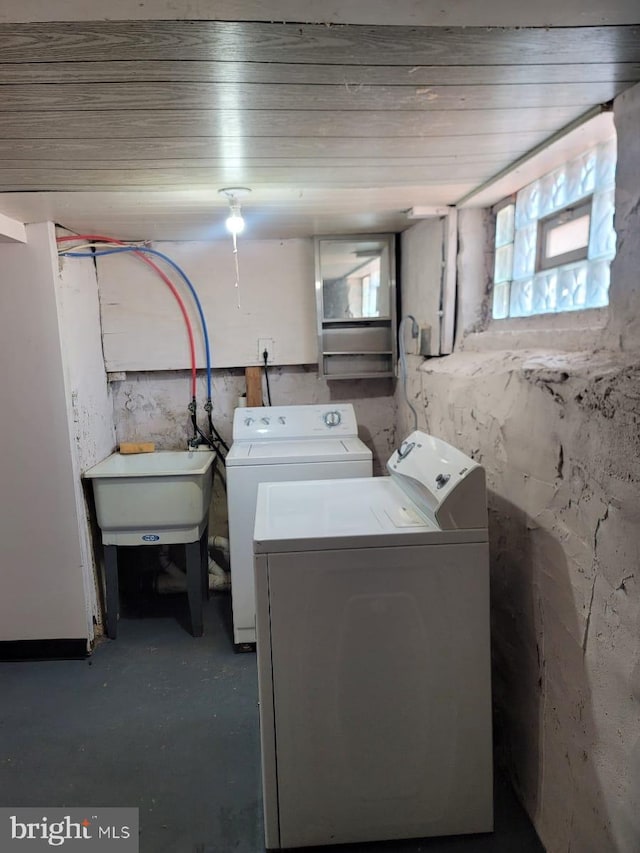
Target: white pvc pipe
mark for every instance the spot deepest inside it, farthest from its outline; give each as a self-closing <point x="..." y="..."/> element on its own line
<point x="219" y="542"/>
<point x="218" y="578"/>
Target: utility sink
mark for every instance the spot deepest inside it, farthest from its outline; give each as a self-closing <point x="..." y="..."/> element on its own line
<point x="152" y="498"/>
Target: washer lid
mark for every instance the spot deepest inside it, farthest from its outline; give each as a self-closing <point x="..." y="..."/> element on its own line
<point x="285" y="452"/>
<point x="443" y="482"/>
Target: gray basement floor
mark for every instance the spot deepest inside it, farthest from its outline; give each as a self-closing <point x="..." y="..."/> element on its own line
<point x="168" y="723"/>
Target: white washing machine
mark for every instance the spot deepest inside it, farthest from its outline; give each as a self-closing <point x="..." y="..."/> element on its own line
<point x="373" y="652"/>
<point x="273" y="444"/>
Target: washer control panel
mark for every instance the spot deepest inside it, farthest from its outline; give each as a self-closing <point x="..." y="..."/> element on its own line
<point x="266" y="422"/>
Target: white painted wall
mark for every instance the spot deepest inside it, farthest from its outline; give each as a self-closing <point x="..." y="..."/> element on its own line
<point x="42" y="594"/>
<point x="475" y="272"/>
<point x="421" y="284"/>
<point x="142" y="324"/>
<point x="143" y="335"/>
<point x="624" y="315"/>
<point x="556" y="427"/>
<point x="422" y="257"/>
<point x="88" y="399"/>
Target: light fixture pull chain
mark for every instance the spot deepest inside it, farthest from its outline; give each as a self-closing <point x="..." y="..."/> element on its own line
<point x="235" y="225"/>
<point x="235" y="255"/>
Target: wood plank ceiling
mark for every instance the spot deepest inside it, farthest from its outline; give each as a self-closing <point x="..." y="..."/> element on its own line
<point x="133" y="126"/>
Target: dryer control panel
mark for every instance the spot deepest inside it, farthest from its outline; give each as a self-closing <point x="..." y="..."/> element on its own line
<point x="445" y="483"/>
<point x="337" y="420"/>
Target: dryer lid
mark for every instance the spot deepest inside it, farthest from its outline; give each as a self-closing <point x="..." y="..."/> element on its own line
<point x="443" y="482"/>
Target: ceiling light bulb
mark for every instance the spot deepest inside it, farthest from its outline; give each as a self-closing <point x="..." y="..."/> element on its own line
<point x="235" y="222"/>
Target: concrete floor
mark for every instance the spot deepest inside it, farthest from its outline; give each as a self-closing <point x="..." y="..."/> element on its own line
<point x="168" y="723"/>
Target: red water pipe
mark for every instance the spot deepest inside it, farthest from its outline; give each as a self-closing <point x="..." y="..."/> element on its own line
<point x="98" y="238"/>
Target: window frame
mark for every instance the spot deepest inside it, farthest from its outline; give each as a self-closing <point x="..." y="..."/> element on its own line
<point x="572" y="212"/>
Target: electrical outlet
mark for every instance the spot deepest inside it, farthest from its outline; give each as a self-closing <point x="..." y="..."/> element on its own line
<point x="267" y="344"/>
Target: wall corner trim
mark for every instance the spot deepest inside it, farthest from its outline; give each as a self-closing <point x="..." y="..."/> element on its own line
<point x="449" y="283"/>
<point x="11" y="230"/>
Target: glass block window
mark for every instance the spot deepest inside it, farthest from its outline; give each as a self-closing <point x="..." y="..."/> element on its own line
<point x="560" y="208"/>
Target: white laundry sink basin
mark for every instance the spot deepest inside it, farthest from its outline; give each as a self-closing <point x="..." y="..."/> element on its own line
<point x="152" y="498"/>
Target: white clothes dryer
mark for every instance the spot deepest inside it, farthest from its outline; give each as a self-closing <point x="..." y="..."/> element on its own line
<point x="275" y="444"/>
<point x="373" y="652"/>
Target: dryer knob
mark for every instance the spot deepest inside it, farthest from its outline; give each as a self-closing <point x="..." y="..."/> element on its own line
<point x="332" y="419"/>
<point x="248" y="421"/>
<point x="442" y="480"/>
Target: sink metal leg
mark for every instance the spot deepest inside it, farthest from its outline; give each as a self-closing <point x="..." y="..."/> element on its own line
<point x="112" y="602"/>
<point x="194" y="585"/>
